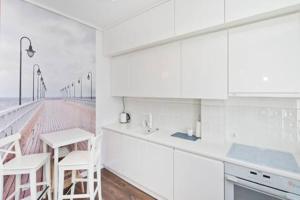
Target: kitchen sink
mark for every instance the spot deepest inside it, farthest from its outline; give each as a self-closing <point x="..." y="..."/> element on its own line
<point x="145" y="131"/>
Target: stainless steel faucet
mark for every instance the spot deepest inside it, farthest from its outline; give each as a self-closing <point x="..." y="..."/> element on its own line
<point x="148" y="124"/>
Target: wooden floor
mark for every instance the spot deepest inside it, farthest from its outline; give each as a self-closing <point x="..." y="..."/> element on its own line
<point x="114" y="188"/>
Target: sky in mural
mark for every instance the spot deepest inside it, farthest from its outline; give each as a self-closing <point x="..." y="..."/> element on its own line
<point x="65" y="50"/>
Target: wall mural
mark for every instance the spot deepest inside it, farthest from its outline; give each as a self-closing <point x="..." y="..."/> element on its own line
<point x="57" y="87"/>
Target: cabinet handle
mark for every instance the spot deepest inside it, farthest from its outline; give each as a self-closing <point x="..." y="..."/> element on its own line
<point x="266" y="176"/>
<point x="253" y="173"/>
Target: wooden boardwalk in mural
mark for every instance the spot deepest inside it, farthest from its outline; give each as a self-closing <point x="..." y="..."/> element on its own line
<point x="51" y="115"/>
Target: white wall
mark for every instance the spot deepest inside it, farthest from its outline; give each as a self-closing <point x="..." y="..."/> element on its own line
<point x="107" y="107"/>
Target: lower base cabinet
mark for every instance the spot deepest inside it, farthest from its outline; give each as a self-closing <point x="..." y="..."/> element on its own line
<point x="146" y="164"/>
<point x="169" y="174"/>
<point x="197" y="178"/>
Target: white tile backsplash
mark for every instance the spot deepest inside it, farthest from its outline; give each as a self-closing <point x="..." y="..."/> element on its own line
<point x="264" y="122"/>
<point x="173" y="114"/>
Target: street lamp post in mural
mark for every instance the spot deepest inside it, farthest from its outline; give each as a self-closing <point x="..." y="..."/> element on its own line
<point x="68" y="88"/>
<point x="35" y="65"/>
<point x="80" y="82"/>
<point x="38" y="83"/>
<point x="66" y="92"/>
<point x="41" y="82"/>
<point x="90" y="77"/>
<point x="73" y="85"/>
<point x="30" y="53"/>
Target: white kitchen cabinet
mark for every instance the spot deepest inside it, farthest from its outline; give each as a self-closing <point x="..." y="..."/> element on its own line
<point x="192" y="15"/>
<point x="157" y="166"/>
<point x="155" y="72"/>
<point x="131" y="158"/>
<point x="197" y="178"/>
<point x="112" y="151"/>
<point x="120" y="75"/>
<point x="238" y="9"/>
<point x="204" y="66"/>
<point x="152" y="25"/>
<point x="122" y="154"/>
<point x="146" y="164"/>
<point x="264" y="58"/>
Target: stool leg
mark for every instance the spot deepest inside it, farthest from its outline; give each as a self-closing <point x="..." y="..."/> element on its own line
<point x="1" y="186"/>
<point x="32" y="182"/>
<point x="48" y="178"/>
<point x="17" y="186"/>
<point x="81" y="183"/>
<point x="73" y="182"/>
<point x="91" y="183"/>
<point x="61" y="174"/>
<point x="99" y="184"/>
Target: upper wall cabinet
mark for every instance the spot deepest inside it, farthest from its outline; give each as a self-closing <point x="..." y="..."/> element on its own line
<point x="150" y="26"/>
<point x="204" y="66"/>
<point x="192" y="15"/>
<point x="237" y="9"/>
<point x="153" y="72"/>
<point x="264" y="58"/>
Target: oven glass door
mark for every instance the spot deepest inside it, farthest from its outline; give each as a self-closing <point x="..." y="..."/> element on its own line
<point x="242" y="193"/>
<point x="240" y="189"/>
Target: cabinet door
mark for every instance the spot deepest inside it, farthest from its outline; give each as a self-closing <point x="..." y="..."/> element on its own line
<point x="120" y="75"/>
<point x="112" y="151"/>
<point x="191" y="15"/>
<point x="155" y="72"/>
<point x="150" y="26"/>
<point x="204" y="66"/>
<point x="157" y="169"/>
<point x="131" y="160"/>
<point x="238" y="9"/>
<point x="197" y="178"/>
<point x="264" y="57"/>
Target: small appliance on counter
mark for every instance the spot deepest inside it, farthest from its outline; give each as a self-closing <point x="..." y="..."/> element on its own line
<point x="124" y="117"/>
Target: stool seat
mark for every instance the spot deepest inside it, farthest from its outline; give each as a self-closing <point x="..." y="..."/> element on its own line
<point x="76" y="158"/>
<point x="82" y="161"/>
<point x="26" y="162"/>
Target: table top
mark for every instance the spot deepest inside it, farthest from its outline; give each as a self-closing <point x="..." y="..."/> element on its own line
<point x="65" y="137"/>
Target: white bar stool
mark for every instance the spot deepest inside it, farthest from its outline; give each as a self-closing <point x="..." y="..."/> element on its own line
<point x="27" y="164"/>
<point x="82" y="160"/>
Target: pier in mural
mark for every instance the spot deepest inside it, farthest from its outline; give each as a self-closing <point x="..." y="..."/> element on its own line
<point x="57" y="88"/>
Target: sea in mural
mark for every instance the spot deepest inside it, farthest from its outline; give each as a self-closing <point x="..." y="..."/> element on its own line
<point x="58" y="79"/>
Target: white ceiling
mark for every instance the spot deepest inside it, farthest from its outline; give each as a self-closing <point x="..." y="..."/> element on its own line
<point x="96" y="13"/>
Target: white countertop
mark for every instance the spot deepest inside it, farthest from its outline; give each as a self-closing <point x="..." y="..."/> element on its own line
<point x="216" y="151"/>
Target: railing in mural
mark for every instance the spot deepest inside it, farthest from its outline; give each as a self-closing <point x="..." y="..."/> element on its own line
<point x="13" y="119"/>
<point x="86" y="101"/>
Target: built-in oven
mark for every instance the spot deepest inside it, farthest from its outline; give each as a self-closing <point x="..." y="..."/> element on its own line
<point x="242" y="183"/>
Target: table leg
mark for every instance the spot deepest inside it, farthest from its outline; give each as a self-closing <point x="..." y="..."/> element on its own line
<point x="45" y="150"/>
<point x="89" y="142"/>
<point x="55" y="173"/>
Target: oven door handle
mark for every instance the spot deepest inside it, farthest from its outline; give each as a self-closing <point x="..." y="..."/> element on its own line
<point x="261" y="188"/>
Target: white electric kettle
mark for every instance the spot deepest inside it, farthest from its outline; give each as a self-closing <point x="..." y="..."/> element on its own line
<point x="124" y="118"/>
